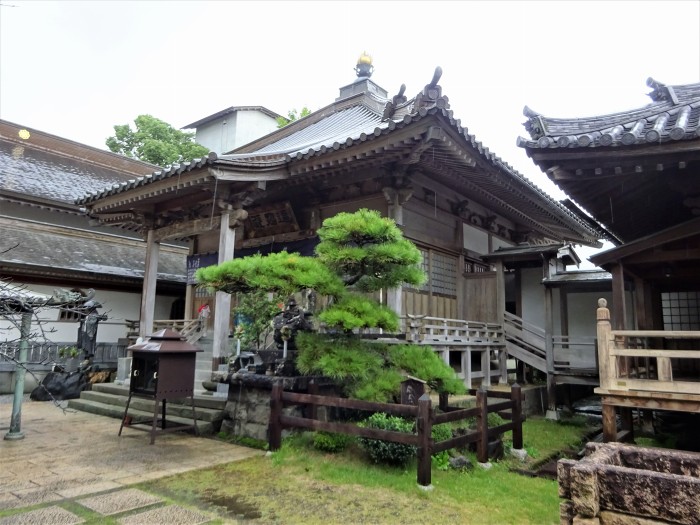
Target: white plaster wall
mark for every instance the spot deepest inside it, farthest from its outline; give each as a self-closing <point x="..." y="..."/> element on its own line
<point x="234" y="129"/>
<point x="476" y="240"/>
<point x="252" y="125"/>
<point x="218" y="135"/>
<point x="118" y="306"/>
<point x="532" y="297"/>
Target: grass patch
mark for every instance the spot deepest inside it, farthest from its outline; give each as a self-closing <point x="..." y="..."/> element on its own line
<point x="300" y="484"/>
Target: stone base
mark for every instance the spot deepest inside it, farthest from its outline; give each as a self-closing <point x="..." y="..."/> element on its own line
<point x="247" y="410"/>
<point x="620" y="484"/>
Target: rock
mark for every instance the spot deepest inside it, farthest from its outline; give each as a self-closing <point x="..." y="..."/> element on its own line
<point x="61" y="385"/>
<point x="495" y="449"/>
<point x="461" y="463"/>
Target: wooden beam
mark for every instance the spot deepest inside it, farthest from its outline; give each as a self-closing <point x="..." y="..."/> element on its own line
<point x="238" y="176"/>
<point x="192" y="227"/>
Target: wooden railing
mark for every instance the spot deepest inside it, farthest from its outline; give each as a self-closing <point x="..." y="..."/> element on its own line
<point x="509" y="407"/>
<point x="192" y="329"/>
<point x="455" y="340"/>
<point x="527" y="341"/>
<point x="627" y="363"/>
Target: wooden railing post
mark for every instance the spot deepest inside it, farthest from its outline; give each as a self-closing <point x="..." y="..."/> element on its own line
<point x="275" y="429"/>
<point x="607" y="364"/>
<point x="313" y="408"/>
<point x="425" y="430"/>
<point x="516" y="397"/>
<point x="482" y="426"/>
<point x="444" y="401"/>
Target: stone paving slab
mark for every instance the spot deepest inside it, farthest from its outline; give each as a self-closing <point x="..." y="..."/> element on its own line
<point x="29" y="497"/>
<point x="67" y="455"/>
<point x="170" y="515"/>
<point x="49" y="515"/>
<point x="121" y="501"/>
<point x="84" y="490"/>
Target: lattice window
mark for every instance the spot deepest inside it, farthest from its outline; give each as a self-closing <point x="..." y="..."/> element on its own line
<point x="441" y="270"/>
<point x="69" y="313"/>
<point x="474" y="266"/>
<point x="681" y="310"/>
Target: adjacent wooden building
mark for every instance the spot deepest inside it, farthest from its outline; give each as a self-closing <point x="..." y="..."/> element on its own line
<point x="637" y="173"/>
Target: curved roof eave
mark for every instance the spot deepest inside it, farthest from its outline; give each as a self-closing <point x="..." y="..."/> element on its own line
<point x="674" y="115"/>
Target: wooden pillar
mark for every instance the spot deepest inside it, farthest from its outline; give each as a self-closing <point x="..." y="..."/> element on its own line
<point x="150" y="277"/>
<point x="396" y="198"/>
<point x="609" y="423"/>
<point x="549" y="352"/>
<point x="607" y="368"/>
<point x="222" y="311"/>
<point x="189" y="290"/>
<point x="619" y="318"/>
<point x="500" y="316"/>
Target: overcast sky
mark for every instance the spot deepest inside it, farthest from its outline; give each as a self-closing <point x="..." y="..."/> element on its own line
<point x="75" y="69"/>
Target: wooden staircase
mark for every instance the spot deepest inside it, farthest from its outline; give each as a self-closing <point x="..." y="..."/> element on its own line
<point x="525" y="342"/>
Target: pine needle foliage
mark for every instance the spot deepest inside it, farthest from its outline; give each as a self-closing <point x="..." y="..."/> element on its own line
<point x="280" y="273"/>
<point x="357" y="311"/>
<point x="373" y="371"/>
<point x="369" y="251"/>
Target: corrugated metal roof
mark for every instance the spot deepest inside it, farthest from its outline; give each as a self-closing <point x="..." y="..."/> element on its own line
<point x="673" y="115"/>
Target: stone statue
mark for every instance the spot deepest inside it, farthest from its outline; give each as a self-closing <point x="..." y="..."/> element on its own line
<point x="288" y="322"/>
<point x="87" y="331"/>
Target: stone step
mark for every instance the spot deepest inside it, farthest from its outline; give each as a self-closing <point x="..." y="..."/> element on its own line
<point x="199" y="401"/>
<point x="117" y="412"/>
<point x="139" y="403"/>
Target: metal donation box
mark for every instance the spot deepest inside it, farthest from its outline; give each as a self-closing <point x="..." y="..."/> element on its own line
<point x="162" y="368"/>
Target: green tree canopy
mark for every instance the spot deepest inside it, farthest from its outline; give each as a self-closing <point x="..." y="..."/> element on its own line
<point x="154" y="141"/>
<point x="359" y="252"/>
<point x="292" y="115"/>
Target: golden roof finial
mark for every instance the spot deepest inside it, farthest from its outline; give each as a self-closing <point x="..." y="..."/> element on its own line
<point x="364" y="66"/>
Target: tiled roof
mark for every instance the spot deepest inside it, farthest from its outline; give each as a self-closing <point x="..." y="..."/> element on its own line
<point x="170" y="171"/>
<point x="47" y="167"/>
<point x="673" y="115"/>
<point x="51" y="248"/>
<point x="365" y="117"/>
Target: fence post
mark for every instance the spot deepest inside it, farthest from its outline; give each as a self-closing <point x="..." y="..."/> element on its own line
<point x="275" y="428"/>
<point x="517" y="399"/>
<point x="607" y="364"/>
<point x="482" y="426"/>
<point x="425" y="427"/>
<point x="313" y="408"/>
<point x="444" y="402"/>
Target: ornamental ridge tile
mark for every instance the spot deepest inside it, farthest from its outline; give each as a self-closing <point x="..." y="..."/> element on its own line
<point x="673" y="115"/>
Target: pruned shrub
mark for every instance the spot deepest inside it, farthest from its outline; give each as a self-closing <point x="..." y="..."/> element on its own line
<point x="388" y="452"/>
<point x="443" y="432"/>
<point x="331" y="442"/>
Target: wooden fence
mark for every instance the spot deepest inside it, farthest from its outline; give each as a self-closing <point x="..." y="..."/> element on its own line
<point x="508" y="406"/>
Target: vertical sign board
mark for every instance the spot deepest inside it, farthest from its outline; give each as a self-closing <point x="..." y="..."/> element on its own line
<point x="197" y="261"/>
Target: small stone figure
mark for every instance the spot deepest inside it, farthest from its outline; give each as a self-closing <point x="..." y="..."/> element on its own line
<point x="288" y="323"/>
<point x="87" y="331"/>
